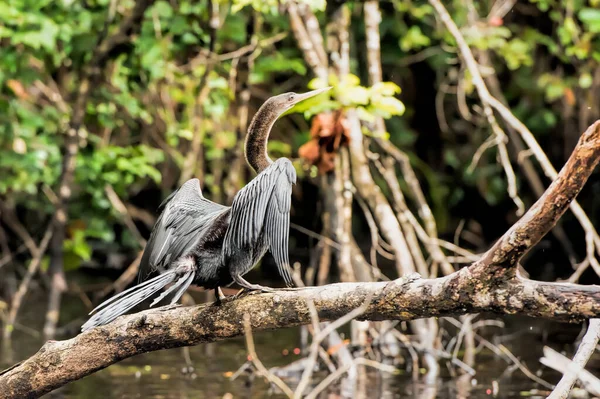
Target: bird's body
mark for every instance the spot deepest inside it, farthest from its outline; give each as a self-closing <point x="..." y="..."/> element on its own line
<point x="193" y="229"/>
<point x="197" y="241"/>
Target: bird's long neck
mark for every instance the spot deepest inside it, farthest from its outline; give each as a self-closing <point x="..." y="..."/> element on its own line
<point x="258" y="134"/>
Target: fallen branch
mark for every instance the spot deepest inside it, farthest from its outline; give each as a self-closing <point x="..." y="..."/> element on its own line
<point x="491" y="284"/>
<point x="60" y="362"/>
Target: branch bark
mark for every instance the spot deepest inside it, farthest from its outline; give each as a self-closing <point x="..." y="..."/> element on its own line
<point x="488" y="285"/>
<point x="60" y="362"/>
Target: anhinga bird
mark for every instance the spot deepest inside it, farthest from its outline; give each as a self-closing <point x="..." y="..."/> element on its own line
<point x="197" y="241"/>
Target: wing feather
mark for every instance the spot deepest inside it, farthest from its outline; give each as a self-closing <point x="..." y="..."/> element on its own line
<point x="262" y="208"/>
<point x="185" y="215"/>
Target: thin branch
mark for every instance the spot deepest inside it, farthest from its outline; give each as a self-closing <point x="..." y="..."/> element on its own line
<point x="312" y="55"/>
<point x="310" y="233"/>
<point x="514" y="122"/>
<point x="561" y="363"/>
<point x="402" y="210"/>
<point x="423" y="208"/>
<point x="258" y="364"/>
<point x="331" y="378"/>
<point x="484" y="95"/>
<point x="544" y="214"/>
<point x="524" y="369"/>
<point x="584" y="352"/>
<point x="7" y="215"/>
<point x="24" y="286"/>
<point x="120" y="207"/>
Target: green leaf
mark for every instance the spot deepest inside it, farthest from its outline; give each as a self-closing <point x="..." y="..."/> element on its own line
<point x="590" y="18"/>
<point x="163" y="9"/>
<point x="353" y="95"/>
<point x="585" y="80"/>
<point x="414" y="39"/>
<point x="386" y="88"/>
<point x="388" y="106"/>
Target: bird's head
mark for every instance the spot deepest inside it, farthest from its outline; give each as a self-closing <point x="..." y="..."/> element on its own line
<point x="286" y="101"/>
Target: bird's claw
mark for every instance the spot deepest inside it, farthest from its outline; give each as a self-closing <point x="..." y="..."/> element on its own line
<point x="220" y="297"/>
<point x="252" y="289"/>
<point x="169" y="307"/>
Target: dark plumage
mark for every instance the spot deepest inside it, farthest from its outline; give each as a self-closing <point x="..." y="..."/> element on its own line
<point x="197" y="241"/>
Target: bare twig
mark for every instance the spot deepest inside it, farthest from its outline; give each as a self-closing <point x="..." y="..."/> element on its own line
<point x="17" y="227"/>
<point x="124" y="279"/>
<point x="320" y="336"/>
<point x="484" y="95"/>
<point x="524" y="369"/>
<point x="258" y="364"/>
<point x="584" y="352"/>
<point x="402" y="211"/>
<point x="120" y="207"/>
<point x="24" y="286"/>
<point x="328" y="241"/>
<point x="312" y="55"/>
<point x="561" y="363"/>
<point x="331" y="378"/>
<point x="423" y="208"/>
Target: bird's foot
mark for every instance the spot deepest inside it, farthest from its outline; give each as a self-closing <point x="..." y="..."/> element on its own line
<point x="169" y="307"/>
<point x="246" y="286"/>
<point x="220" y="296"/>
<point x="291" y="288"/>
<point x="251" y="289"/>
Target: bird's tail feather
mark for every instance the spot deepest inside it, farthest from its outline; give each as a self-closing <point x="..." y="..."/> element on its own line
<point x="126" y="300"/>
<point x="165" y="276"/>
<point x="182" y="283"/>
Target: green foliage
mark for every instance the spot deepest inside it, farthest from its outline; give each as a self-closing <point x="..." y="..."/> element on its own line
<point x="143" y="115"/>
<point x="272" y="6"/>
<point x="369" y="102"/>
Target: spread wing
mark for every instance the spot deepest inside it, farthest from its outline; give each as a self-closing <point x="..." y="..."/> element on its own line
<point x="185" y="216"/>
<point x="263" y="207"/>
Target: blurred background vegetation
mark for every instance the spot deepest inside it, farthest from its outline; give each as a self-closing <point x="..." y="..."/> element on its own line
<point x="171" y="98"/>
<point x="142" y="115"/>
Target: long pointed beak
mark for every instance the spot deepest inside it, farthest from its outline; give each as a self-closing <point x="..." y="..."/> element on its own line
<point x="304" y="96"/>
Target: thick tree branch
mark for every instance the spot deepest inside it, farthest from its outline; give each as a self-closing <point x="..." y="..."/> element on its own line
<point x="544" y="214"/>
<point x="489" y="285"/>
<point x="60" y="362"/>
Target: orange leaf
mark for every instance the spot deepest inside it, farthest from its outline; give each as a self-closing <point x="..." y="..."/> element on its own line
<point x="309" y="151"/>
<point x="570" y="96"/>
<point x="17" y="88"/>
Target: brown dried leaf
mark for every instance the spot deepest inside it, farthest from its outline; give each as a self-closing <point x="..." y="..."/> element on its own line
<point x="329" y="131"/>
<point x="323" y="125"/>
<point x="310" y="151"/>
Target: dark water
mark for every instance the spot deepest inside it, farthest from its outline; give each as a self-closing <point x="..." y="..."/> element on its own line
<point x="163" y="374"/>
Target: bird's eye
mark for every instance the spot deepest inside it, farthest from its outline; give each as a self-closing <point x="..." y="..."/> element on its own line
<point x="292" y="97"/>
